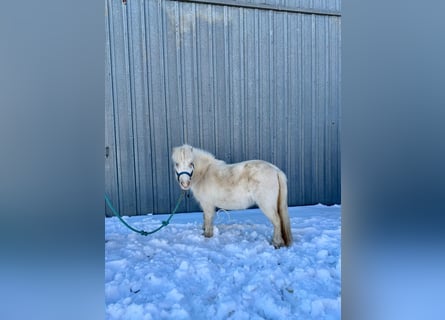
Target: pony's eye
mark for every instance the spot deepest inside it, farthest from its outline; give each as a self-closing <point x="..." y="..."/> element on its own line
<point x="176" y="164"/>
<point x="191" y="164"/>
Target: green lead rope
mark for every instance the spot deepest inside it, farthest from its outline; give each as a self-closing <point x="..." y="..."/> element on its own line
<point x="143" y="232"/>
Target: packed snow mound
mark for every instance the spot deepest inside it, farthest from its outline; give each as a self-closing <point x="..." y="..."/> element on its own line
<point x="177" y="273"/>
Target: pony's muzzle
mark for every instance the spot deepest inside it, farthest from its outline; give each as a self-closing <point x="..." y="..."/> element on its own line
<point x="185" y="185"/>
<point x="184" y="179"/>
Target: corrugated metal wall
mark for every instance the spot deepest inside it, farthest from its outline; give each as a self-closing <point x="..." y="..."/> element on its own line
<point x="241" y="82"/>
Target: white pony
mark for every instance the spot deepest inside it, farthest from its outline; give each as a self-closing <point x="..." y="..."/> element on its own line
<point x="216" y="184"/>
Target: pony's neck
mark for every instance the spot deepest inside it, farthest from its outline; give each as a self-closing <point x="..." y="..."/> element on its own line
<point x="202" y="160"/>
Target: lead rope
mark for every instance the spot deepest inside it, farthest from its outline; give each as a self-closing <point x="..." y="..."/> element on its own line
<point x="143" y="232"/>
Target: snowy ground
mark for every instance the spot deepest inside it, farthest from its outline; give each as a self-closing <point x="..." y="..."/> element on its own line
<point x="178" y="274"/>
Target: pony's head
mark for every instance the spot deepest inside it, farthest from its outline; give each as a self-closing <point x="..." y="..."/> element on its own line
<point x="183" y="161"/>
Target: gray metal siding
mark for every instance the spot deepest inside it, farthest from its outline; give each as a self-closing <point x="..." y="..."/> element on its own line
<point x="241" y="82"/>
<point x="326" y="7"/>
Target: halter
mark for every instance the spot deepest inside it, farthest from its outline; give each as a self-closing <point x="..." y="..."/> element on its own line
<point x="190" y="174"/>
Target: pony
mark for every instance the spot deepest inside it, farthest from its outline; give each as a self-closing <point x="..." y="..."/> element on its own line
<point x="237" y="186"/>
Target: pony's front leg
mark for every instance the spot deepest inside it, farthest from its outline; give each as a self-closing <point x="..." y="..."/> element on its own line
<point x="209" y="213"/>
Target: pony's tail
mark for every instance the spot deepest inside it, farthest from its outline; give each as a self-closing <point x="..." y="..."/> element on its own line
<point x="286" y="232"/>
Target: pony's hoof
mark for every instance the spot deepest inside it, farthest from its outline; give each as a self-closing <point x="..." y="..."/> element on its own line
<point x="208" y="235"/>
<point x="278" y="245"/>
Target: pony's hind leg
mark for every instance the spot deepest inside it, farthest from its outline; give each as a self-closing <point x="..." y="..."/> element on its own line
<point x="277" y="239"/>
<point x="271" y="213"/>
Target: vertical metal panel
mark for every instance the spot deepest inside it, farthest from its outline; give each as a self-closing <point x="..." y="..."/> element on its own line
<point x="111" y="181"/>
<point x="241" y="82"/>
<point x="121" y="106"/>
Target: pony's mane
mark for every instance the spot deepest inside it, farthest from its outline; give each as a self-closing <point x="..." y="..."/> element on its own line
<point x="201" y="157"/>
<point x="202" y="154"/>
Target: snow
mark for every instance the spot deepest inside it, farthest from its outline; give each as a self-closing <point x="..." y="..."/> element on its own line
<point x="177" y="273"/>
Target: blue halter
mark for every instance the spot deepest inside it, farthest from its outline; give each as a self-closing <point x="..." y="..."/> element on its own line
<point x="178" y="174"/>
<point x="190" y="174"/>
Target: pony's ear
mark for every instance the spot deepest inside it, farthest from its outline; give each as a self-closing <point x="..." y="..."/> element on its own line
<point x="187" y="146"/>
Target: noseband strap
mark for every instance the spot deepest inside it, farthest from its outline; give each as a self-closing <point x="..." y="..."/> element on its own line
<point x="178" y="174"/>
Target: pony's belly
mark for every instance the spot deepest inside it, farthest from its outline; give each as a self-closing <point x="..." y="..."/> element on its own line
<point x="233" y="203"/>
